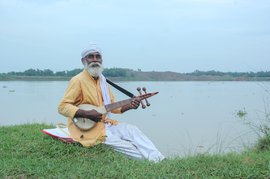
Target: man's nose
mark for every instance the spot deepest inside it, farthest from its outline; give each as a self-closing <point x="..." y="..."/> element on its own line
<point x="95" y="59"/>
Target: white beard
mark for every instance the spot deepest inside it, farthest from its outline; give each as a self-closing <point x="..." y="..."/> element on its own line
<point x="94" y="69"/>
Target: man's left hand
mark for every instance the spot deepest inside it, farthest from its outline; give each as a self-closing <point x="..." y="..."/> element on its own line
<point x="135" y="104"/>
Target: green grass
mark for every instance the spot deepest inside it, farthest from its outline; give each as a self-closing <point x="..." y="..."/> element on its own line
<point x="26" y="152"/>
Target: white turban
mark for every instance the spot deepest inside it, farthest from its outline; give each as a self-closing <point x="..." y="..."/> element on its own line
<point x="92" y="48"/>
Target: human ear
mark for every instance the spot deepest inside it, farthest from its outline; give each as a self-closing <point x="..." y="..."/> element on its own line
<point x="83" y="61"/>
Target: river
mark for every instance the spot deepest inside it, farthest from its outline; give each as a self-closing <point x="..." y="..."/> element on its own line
<point x="185" y="118"/>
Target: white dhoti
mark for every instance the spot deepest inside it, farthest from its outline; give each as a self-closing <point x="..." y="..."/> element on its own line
<point x="126" y="138"/>
<point x="129" y="140"/>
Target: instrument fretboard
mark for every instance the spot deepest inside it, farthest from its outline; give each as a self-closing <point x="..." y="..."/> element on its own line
<point x="112" y="106"/>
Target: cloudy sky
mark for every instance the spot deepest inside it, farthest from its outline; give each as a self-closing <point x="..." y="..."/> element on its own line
<point x="171" y="35"/>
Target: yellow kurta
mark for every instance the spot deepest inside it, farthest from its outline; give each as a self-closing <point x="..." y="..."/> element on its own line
<point x="83" y="89"/>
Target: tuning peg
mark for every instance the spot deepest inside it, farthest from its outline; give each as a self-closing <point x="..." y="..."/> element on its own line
<point x="147" y="103"/>
<point x="143" y="105"/>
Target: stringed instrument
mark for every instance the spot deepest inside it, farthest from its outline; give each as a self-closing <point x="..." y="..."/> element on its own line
<point x="86" y="124"/>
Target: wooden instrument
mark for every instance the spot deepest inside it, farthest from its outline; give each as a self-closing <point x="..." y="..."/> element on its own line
<point x="86" y="124"/>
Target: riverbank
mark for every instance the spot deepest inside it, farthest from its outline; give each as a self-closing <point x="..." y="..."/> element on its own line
<point x="26" y="152"/>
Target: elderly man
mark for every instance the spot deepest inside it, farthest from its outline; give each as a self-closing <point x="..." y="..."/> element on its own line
<point x="90" y="87"/>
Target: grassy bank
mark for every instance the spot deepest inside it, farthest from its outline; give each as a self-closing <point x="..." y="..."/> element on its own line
<point x="26" y="152"/>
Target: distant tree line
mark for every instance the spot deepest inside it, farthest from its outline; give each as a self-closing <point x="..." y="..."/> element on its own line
<point x="45" y="72"/>
<point x="124" y="72"/>
<point x="112" y="72"/>
<point x="232" y="74"/>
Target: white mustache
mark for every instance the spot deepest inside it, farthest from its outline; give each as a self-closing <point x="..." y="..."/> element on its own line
<point x="94" y="64"/>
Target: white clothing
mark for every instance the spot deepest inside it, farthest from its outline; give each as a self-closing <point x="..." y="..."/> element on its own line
<point x="91" y="48"/>
<point x="105" y="93"/>
<point x="129" y="140"/>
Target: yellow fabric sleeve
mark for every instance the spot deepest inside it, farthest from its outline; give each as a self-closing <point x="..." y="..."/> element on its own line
<point x="67" y="106"/>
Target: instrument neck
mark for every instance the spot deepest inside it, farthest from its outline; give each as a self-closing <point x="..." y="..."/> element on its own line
<point x="112" y="106"/>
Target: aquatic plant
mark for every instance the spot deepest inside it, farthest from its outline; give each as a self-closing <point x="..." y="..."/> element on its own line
<point x="260" y="126"/>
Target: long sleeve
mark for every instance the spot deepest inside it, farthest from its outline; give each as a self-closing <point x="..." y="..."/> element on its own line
<point x="72" y="97"/>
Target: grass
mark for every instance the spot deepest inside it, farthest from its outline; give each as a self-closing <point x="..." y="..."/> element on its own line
<point x="25" y="152"/>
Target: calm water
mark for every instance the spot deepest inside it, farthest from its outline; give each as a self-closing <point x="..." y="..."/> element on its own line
<point x="184" y="118"/>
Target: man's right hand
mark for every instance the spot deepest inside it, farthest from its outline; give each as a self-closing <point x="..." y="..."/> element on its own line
<point x="91" y="114"/>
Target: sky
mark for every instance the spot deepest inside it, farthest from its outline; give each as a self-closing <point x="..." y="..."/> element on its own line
<point x="151" y="35"/>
